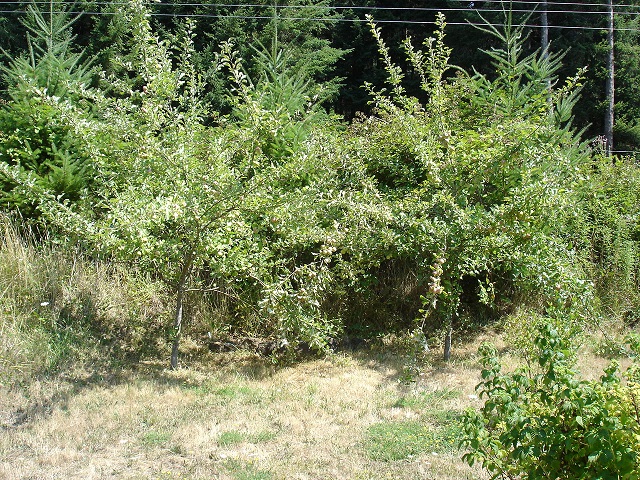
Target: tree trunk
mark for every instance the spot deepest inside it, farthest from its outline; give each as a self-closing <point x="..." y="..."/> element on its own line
<point x="544" y="44"/>
<point x="447" y="344"/>
<point x="544" y="23"/>
<point x="610" y="87"/>
<point x="177" y="323"/>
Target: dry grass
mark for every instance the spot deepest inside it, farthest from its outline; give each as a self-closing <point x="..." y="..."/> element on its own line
<point x="239" y="417"/>
<point x="233" y="416"/>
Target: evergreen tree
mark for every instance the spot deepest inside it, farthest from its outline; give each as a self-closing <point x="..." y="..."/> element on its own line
<point x="12" y="36"/>
<point x="47" y="87"/>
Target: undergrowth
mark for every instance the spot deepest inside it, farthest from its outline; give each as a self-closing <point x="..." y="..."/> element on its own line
<point x="57" y="308"/>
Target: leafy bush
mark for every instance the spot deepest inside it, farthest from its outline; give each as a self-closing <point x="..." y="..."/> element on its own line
<point x="552" y="424"/>
<point x="522" y="327"/>
<point x="185" y="202"/>
<point x="296" y="226"/>
<point x="472" y="189"/>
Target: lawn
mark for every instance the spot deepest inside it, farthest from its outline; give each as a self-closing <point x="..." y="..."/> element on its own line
<point x="238" y="416"/>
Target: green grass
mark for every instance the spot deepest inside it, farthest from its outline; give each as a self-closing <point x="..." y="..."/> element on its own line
<point x="427" y="399"/>
<point x="240" y="393"/>
<point x="155" y="438"/>
<point x="389" y="441"/>
<point x="446" y="432"/>
<point x="233" y="437"/>
<point x="392" y="441"/>
<point x="246" y="471"/>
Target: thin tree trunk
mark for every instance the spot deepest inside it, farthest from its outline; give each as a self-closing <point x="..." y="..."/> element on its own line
<point x="544" y="23"/>
<point x="610" y="86"/>
<point x="447" y="344"/>
<point x="177" y="324"/>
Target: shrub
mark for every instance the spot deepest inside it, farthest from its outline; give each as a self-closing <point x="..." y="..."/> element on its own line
<point x="473" y="187"/>
<point x="608" y="228"/>
<point x="552" y="424"/>
<point x="44" y="87"/>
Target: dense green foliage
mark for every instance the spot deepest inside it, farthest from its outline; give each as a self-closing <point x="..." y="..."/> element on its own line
<point x="546" y="422"/>
<point x="331" y="42"/>
<point x="438" y="211"/>
<point x="44" y="86"/>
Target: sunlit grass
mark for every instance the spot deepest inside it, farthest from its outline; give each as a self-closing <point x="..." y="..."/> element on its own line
<point x="317" y="419"/>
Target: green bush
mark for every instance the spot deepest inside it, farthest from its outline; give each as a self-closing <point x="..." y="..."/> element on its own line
<point x="425" y="216"/>
<point x="553" y="424"/>
<point x="46" y="89"/>
<point x="471" y="190"/>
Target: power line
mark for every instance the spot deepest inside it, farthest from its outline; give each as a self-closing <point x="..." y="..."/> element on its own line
<point x="321" y="7"/>
<point x="581" y="4"/>
<point x="340" y="19"/>
<point x="329" y="19"/>
<point x="501" y="2"/>
<point x="355" y="7"/>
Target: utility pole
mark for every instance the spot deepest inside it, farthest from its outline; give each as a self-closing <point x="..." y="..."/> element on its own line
<point x="610" y="86"/>
<point x="544" y="44"/>
<point x="544" y="23"/>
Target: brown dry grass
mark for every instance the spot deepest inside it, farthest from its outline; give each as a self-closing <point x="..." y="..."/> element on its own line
<point x="239" y="417"/>
<point x="233" y="416"/>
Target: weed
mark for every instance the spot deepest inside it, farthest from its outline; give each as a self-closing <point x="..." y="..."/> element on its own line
<point x="155" y="438"/>
<point x="246" y="471"/>
<point x="263" y="436"/>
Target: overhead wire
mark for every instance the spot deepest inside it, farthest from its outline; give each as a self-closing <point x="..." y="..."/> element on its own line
<point x="152" y="2"/>
<point x="344" y="20"/>
<point x="354" y="20"/>
<point x="373" y="7"/>
<point x="617" y="11"/>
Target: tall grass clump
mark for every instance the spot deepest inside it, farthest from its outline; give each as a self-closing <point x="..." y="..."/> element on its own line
<point x="611" y="234"/>
<point x="58" y="307"/>
<point x="24" y="342"/>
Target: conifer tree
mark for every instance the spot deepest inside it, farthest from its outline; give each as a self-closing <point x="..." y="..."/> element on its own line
<point x="46" y="86"/>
